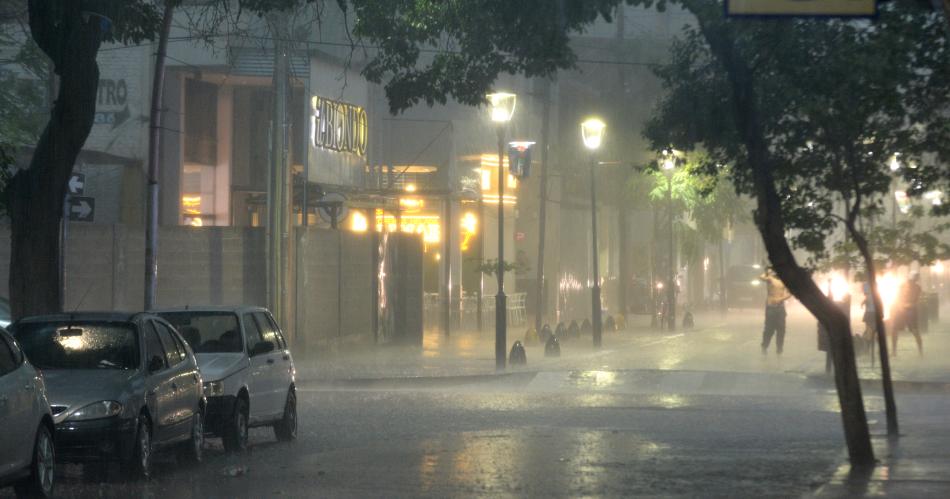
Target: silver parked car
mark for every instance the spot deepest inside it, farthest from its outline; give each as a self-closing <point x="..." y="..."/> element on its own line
<point x="121" y="386"/>
<point x="248" y="371"/>
<point x="27" y="454"/>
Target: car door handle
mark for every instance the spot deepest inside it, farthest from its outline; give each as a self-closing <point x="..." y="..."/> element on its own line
<point x="270" y="361"/>
<point x="286" y="357"/>
<point x="152" y="392"/>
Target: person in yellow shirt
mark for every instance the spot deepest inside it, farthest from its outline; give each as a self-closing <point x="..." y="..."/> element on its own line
<point x="774" y="311"/>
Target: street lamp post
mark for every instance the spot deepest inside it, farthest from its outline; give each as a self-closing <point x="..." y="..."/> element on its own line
<point x="592" y="132"/>
<point x="669" y="163"/>
<point x="502" y="107"/>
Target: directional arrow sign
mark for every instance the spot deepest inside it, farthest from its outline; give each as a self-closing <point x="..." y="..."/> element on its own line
<point x="82" y="209"/>
<point x="77" y="183"/>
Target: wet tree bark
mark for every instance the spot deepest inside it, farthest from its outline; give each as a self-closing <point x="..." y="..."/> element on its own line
<point x="36" y="194"/>
<point x="771" y="225"/>
<point x="890" y="405"/>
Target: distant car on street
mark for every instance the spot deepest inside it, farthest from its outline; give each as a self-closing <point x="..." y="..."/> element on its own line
<point x="27" y="453"/>
<point x="743" y="286"/>
<point x="248" y="370"/>
<point x="121" y="386"/>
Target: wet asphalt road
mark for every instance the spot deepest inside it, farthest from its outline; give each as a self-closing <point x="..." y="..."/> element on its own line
<point x="557" y="435"/>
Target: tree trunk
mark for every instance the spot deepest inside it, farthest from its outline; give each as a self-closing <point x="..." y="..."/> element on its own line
<point x="37" y="194"/>
<point x="890" y="406"/>
<point x="771" y="226"/>
<point x="154" y="143"/>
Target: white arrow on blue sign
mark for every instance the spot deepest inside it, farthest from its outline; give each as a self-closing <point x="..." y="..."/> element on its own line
<point x="77" y="184"/>
<point x="82" y="209"/>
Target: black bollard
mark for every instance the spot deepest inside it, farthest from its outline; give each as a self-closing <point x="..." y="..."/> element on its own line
<point x="517" y="357"/>
<point x="561" y="331"/>
<point x="609" y="324"/>
<point x="688" y="320"/>
<point x="545" y="333"/>
<point x="552" y="348"/>
<point x="587" y="328"/>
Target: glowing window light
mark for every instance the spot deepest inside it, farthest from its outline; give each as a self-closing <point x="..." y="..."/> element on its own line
<point x="937" y="267"/>
<point x="191" y="205"/>
<point x="894" y="164"/>
<point x="410" y="187"/>
<point x="486" y="179"/>
<point x="469" y="223"/>
<point x="358" y="222"/>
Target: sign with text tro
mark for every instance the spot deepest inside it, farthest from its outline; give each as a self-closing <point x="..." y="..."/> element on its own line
<point x="338" y="126"/>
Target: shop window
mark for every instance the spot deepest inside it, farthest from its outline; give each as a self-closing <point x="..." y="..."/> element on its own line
<point x="201" y="122"/>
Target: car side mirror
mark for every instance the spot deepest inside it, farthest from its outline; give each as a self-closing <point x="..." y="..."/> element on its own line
<point x="262" y="348"/>
<point x="155" y="364"/>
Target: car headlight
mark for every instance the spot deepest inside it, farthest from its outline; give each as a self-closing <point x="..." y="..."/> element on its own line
<point x="213" y="388"/>
<point x="97" y="410"/>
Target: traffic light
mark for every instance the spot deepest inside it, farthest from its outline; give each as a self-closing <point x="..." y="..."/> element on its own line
<point x="519" y="158"/>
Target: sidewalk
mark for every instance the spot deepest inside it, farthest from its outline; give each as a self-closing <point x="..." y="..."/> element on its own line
<point x="716" y="344"/>
<point x="915" y="465"/>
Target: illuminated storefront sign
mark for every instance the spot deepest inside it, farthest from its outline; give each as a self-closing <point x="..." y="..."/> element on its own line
<point x="338" y="126"/>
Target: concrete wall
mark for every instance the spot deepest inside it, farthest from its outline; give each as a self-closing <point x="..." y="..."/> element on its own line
<point x="336" y="281"/>
<point x="105" y="266"/>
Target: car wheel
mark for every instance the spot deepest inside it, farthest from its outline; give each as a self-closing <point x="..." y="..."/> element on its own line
<point x="141" y="464"/>
<point x="42" y="469"/>
<point x="192" y="451"/>
<point x="286" y="429"/>
<point x="235" y="433"/>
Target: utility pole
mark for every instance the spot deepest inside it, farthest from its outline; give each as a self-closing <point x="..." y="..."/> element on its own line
<point x="542" y="214"/>
<point x="154" y="143"/>
<point x="671" y="283"/>
<point x="277" y="231"/>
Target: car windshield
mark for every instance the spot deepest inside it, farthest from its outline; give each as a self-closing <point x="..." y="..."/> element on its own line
<point x="79" y="345"/>
<point x="208" y="332"/>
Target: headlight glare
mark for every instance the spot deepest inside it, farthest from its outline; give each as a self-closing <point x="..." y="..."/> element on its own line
<point x="96" y="410"/>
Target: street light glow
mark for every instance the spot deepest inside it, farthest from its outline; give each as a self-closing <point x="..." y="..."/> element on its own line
<point x="895" y="163"/>
<point x="592" y="132"/>
<point x="502" y="106"/>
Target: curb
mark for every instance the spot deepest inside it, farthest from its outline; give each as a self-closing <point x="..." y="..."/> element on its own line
<point x="521" y="378"/>
<point x="874" y="385"/>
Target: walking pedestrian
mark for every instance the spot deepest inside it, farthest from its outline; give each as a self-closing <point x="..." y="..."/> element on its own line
<point x="905" y="315"/>
<point x="777" y="293"/>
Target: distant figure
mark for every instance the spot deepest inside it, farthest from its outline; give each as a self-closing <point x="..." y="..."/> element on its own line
<point x="870" y="321"/>
<point x="905" y="313"/>
<point x="774" y="311"/>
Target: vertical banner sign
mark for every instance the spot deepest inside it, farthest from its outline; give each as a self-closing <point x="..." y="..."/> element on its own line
<point x="831" y="8"/>
<point x="338" y="126"/>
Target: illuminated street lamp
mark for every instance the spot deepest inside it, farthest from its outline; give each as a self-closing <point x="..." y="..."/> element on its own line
<point x="592" y="132"/>
<point x="667" y="165"/>
<point x="502" y="107"/>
